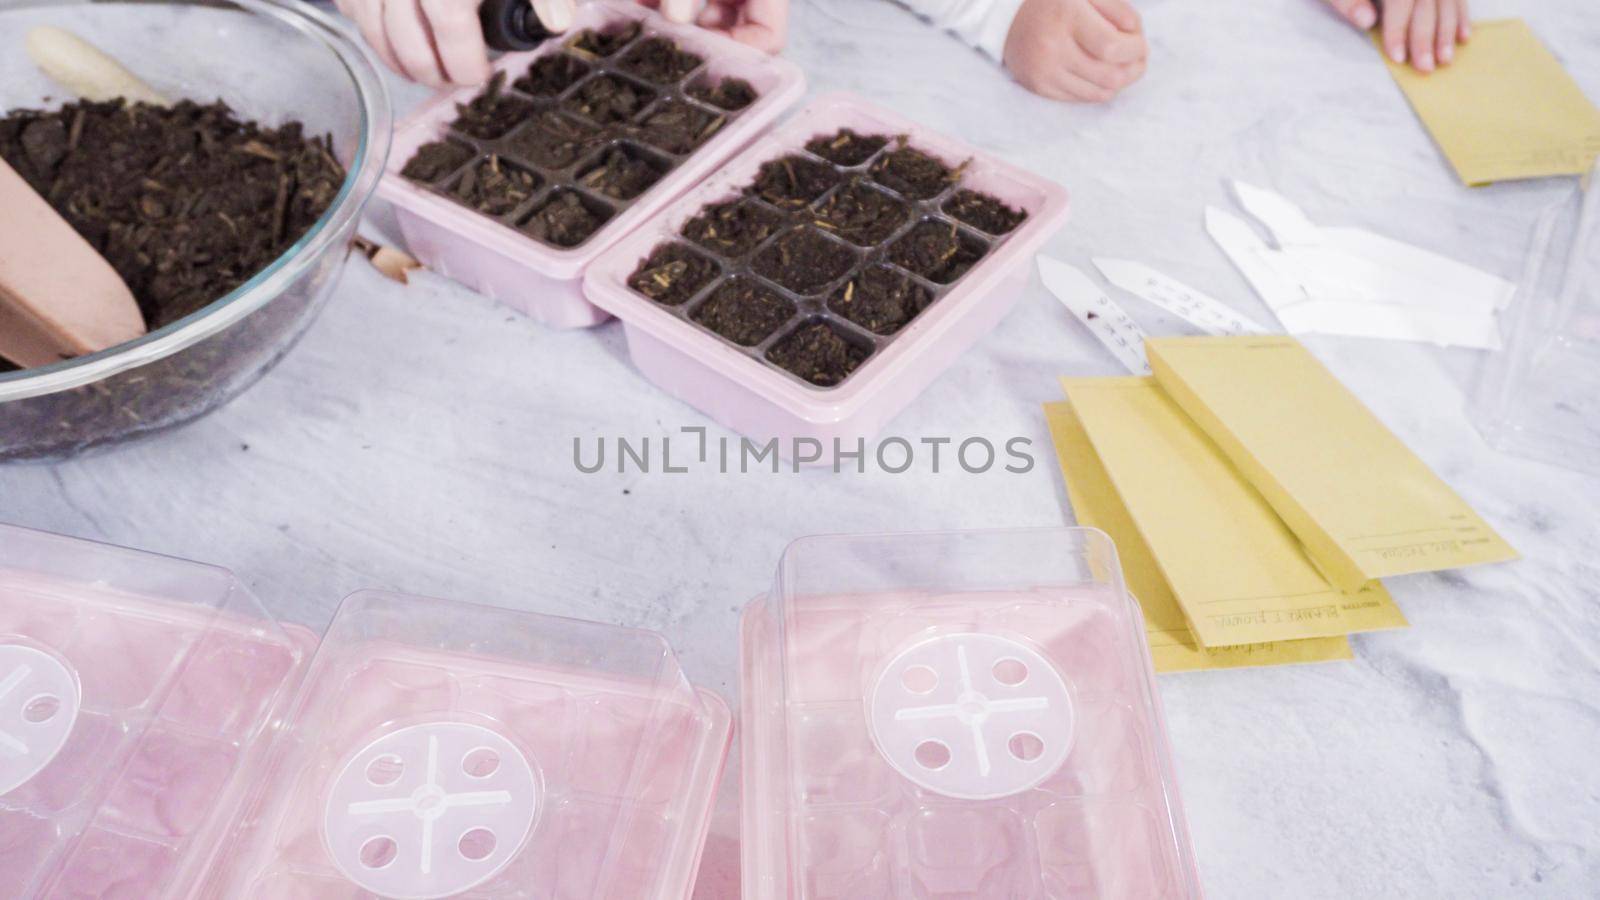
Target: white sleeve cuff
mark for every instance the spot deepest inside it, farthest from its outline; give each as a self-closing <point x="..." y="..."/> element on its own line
<point x="982" y="23"/>
<point x="990" y="36"/>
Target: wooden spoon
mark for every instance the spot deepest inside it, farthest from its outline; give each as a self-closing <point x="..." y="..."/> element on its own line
<point x="58" y="297"/>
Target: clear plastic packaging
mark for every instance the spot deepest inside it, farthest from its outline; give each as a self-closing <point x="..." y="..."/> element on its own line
<point x="138" y="695"/>
<point x="495" y="258"/>
<point x="741" y="387"/>
<point x="962" y="714"/>
<point x="1540" y="396"/>
<point x="446" y="749"/>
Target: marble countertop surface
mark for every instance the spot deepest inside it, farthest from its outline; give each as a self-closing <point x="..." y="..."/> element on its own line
<point x="421" y="439"/>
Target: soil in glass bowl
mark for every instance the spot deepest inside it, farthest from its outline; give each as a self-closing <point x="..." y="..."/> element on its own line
<point x="186" y="202"/>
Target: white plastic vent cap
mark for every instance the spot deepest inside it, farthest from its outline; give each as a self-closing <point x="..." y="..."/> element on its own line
<point x="971" y="715"/>
<point x="430" y="810"/>
<point x="39" y="700"/>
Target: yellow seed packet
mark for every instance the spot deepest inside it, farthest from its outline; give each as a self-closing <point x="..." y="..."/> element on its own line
<point x="1238" y="573"/>
<point x="1095" y="504"/>
<point x="1505" y="108"/>
<point x="1361" y="502"/>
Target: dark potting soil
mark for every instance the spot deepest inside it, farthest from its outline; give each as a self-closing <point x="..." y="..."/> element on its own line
<point x="555" y="141"/>
<point x="433" y="161"/>
<point x="659" y="60"/>
<point x="881" y="300"/>
<point x="937" y="251"/>
<point x="803" y="260"/>
<point x="679" y="128"/>
<point x="913" y="173"/>
<point x="792" y="181"/>
<point x="492" y="113"/>
<point x="672" y="274"/>
<point x="837" y="278"/>
<point x="550" y="75"/>
<point x="605" y="42"/>
<point x="494" y="187"/>
<point x="607" y="99"/>
<point x="845" y="147"/>
<point x="577" y="119"/>
<point x="185" y="202"/>
<point x="623" y="173"/>
<point x="731" y="94"/>
<point x="743" y="312"/>
<point x="861" y="214"/>
<point x="817" y="353"/>
<point x="732" y="228"/>
<point x="565" y="220"/>
<point x="983" y="212"/>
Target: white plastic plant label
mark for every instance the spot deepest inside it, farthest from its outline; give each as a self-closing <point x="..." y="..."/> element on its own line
<point x="971" y="715"/>
<point x="1356" y="282"/>
<point x="1199" y="309"/>
<point x="1095" y="310"/>
<point x="431" y="810"/>
<point x="39" y="700"/>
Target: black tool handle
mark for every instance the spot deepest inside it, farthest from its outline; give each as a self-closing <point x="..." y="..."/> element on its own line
<point x="511" y="25"/>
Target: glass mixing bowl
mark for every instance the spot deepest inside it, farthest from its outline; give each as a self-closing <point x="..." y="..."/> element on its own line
<point x="272" y="61"/>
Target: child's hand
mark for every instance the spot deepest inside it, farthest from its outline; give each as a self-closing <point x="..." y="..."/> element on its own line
<point x="1424" y="31"/>
<point x="437" y="41"/>
<point x="763" y="24"/>
<point x="1085" y="50"/>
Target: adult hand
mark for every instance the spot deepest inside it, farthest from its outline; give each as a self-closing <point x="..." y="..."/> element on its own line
<point x="1422" y="32"/>
<point x="1082" y="50"/>
<point x="763" y="24"/>
<point x="436" y="42"/>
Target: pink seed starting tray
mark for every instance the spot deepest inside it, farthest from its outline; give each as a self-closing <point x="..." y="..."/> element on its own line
<point x="960" y="714"/>
<point x="741" y="386"/>
<point x="494" y="257"/>
<point x="137" y="694"/>
<point x="442" y="749"/>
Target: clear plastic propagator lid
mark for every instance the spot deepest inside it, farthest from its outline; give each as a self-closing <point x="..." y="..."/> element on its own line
<point x="962" y="714"/>
<point x="1540" y="396"/>
<point x="442" y="749"/>
<point x="137" y="694"/>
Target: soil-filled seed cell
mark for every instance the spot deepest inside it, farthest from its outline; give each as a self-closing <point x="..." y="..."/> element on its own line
<point x="622" y="173"/>
<point x="818" y="353"/>
<point x="659" y="60"/>
<point x="434" y="160"/>
<point x="495" y="187"/>
<point x="803" y="261"/>
<point x="861" y="214"/>
<point x="554" y="141"/>
<point x="608" y="100"/>
<point x="604" y="42"/>
<point x="551" y="74"/>
<point x="881" y="300"/>
<point x="609" y="119"/>
<point x="672" y="274"/>
<point x="913" y="173"/>
<point x="845" y="147"/>
<point x="566" y="219"/>
<point x="983" y="212"/>
<point x="677" y="127"/>
<point x="937" y="251"/>
<point x="743" y="311"/>
<point x="492" y="113"/>
<point x="732" y="228"/>
<point x="791" y="182"/>
<point x="731" y="94"/>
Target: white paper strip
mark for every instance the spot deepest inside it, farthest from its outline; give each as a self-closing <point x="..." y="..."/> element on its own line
<point x="1198" y="309"/>
<point x="1090" y="305"/>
